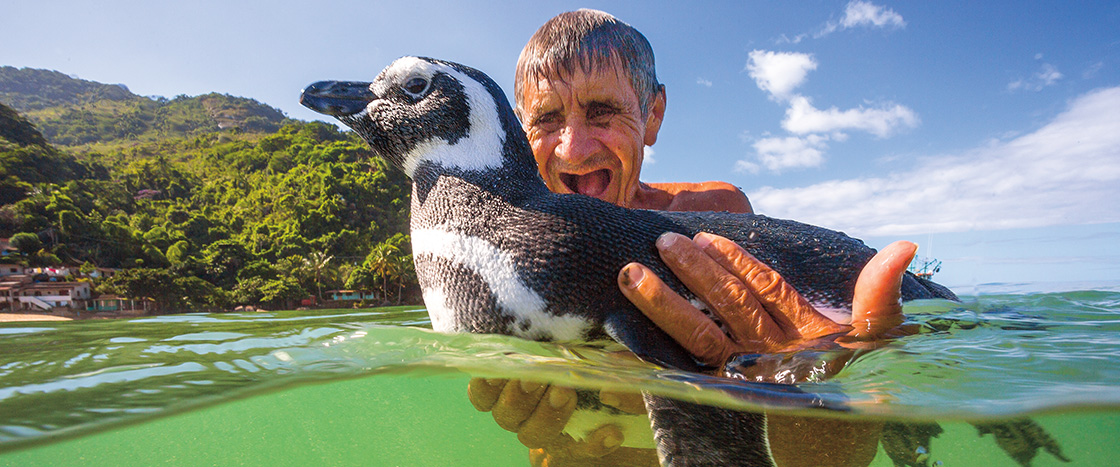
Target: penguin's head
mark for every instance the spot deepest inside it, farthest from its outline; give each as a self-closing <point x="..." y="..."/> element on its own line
<point x="421" y="111"/>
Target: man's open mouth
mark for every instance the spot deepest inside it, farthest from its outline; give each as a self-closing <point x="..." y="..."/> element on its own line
<point x="590" y="184"/>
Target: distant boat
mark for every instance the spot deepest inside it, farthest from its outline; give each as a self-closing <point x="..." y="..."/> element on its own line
<point x="924" y="267"/>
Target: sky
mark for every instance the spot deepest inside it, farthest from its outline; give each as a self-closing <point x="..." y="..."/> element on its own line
<point x="986" y="132"/>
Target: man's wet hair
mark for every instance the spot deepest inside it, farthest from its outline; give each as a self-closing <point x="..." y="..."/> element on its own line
<point x="594" y="41"/>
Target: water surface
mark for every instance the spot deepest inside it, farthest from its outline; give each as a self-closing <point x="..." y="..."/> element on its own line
<point x="376" y="387"/>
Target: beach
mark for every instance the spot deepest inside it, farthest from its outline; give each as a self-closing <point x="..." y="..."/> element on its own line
<point x="6" y="317"/>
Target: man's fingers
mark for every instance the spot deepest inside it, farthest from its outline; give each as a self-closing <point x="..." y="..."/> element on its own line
<point x="517" y="402"/>
<point x="789" y="310"/>
<point x="876" y="307"/>
<point x="484" y="392"/>
<point x="626" y="401"/>
<point x="597" y="444"/>
<point x="728" y="297"/>
<point x="546" y="423"/>
<point x="697" y="333"/>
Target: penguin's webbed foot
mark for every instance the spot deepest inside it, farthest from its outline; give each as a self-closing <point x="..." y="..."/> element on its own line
<point x="1021" y="439"/>
<point x="908" y="444"/>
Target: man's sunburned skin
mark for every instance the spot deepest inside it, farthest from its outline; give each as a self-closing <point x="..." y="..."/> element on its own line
<point x="704" y="196"/>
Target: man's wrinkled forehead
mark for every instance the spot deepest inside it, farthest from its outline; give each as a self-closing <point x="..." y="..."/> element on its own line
<point x="565" y="74"/>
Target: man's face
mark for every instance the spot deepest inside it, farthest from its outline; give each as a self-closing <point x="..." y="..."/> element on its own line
<point x="587" y="133"/>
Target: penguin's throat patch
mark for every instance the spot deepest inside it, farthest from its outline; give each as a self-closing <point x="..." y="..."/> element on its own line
<point x="590" y="184"/>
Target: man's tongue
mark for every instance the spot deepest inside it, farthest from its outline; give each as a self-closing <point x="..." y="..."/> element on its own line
<point x="591" y="184"/>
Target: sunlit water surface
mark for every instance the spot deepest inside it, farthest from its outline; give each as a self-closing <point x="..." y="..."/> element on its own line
<point x="376" y="387"/>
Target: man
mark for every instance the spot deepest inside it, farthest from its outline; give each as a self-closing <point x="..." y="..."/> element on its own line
<point x="589" y="101"/>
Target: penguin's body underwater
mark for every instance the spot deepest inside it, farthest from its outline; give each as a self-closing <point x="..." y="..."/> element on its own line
<point x="497" y="252"/>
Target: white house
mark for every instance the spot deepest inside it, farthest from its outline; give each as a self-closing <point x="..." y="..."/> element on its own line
<point x="25" y="295"/>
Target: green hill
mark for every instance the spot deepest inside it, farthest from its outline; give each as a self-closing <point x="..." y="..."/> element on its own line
<point x="208" y="202"/>
<point x="16" y="129"/>
<point x="29" y="89"/>
<point x="73" y="112"/>
<point x="27" y="159"/>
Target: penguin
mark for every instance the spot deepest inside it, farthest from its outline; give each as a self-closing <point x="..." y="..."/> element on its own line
<point x="497" y="252"/>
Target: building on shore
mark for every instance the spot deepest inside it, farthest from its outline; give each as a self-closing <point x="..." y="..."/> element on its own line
<point x="47" y="290"/>
<point x="20" y="292"/>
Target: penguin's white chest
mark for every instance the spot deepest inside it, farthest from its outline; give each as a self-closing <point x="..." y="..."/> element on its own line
<point x="496" y="268"/>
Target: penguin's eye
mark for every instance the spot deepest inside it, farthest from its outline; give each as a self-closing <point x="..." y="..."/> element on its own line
<point x="415" y="87"/>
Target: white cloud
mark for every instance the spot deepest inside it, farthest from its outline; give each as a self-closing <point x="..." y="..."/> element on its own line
<point x="1065" y="173"/>
<point x="779" y="73"/>
<point x="746" y="166"/>
<point x="803" y="118"/>
<point x="864" y="14"/>
<point x="1047" y="76"/>
<point x="704" y="82"/>
<point x="784" y="39"/>
<point x="1092" y="70"/>
<point x="788" y="152"/>
<point x="647" y="156"/>
<point x="859" y="13"/>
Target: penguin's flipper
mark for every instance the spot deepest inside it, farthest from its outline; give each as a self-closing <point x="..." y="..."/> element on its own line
<point x="631" y="328"/>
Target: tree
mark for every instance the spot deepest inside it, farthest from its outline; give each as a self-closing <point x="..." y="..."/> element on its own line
<point x="204" y="215"/>
<point x="281" y="293"/>
<point x="388" y="262"/>
<point x="318" y="262"/>
<point x="223" y="259"/>
<point x="45" y="258"/>
<point x="379" y="264"/>
<point x="196" y="294"/>
<point x="404" y="272"/>
<point x="27" y="243"/>
<point x="157" y="284"/>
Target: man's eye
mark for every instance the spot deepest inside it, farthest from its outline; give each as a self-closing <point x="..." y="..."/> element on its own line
<point x="600" y="114"/>
<point x="415" y="86"/>
<point x="549" y="122"/>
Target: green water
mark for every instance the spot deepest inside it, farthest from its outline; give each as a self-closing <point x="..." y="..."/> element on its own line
<point x="373" y="387"/>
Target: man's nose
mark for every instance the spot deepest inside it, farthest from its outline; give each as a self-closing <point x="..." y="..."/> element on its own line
<point x="576" y="144"/>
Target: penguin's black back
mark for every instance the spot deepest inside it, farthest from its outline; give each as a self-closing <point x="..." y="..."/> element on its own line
<point x="569" y="249"/>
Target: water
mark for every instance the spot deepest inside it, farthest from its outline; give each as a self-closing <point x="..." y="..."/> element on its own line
<point x="374" y="387"/>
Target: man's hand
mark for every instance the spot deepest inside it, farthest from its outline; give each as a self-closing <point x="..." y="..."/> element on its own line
<point x="761" y="312"/>
<point x="539" y="413"/>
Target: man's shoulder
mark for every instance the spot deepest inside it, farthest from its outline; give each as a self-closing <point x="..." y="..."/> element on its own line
<point x="701" y="196"/>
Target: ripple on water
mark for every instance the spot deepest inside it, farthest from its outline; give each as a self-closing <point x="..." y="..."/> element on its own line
<point x="992" y="355"/>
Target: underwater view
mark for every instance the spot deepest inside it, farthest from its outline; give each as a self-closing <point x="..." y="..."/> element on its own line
<point x="378" y="387"/>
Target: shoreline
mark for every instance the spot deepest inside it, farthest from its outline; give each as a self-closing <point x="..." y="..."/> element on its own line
<point x="21" y="317"/>
<point x="9" y="317"/>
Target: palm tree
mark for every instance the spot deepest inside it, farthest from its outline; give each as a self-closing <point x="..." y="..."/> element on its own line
<point x="404" y="271"/>
<point x="379" y="262"/>
<point x="317" y="262"/>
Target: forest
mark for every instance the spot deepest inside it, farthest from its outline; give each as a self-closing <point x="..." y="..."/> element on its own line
<point x="204" y="203"/>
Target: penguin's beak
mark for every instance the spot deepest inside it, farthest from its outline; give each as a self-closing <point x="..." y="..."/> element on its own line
<point x="337" y="98"/>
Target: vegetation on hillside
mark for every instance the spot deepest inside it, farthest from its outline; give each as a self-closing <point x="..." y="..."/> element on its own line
<point x="207" y="202"/>
<point x="73" y="112"/>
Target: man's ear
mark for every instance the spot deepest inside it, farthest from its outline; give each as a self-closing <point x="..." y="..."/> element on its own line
<point x="656" y="115"/>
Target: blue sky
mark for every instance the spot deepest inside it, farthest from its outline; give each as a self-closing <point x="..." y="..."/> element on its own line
<point x="988" y="132"/>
